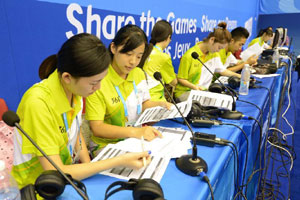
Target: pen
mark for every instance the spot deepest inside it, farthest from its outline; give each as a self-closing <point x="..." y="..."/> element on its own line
<point x="143" y="149"/>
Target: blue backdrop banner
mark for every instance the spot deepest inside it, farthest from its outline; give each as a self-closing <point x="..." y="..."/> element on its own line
<point x="279" y="6"/>
<point x="31" y="30"/>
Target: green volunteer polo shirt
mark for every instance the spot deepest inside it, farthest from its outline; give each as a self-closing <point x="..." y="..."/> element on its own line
<point x="106" y="105"/>
<point x="190" y="69"/>
<point x="41" y="116"/>
<point x="256" y="40"/>
<point x="159" y="61"/>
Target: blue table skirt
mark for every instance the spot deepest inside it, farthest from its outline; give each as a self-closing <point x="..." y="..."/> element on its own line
<point x="220" y="159"/>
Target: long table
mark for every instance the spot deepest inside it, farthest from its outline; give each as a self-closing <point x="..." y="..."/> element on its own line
<point x="220" y="159"/>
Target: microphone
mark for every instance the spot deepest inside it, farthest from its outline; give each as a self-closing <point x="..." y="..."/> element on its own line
<point x="192" y="165"/>
<point x="12" y="119"/>
<point x="227" y="114"/>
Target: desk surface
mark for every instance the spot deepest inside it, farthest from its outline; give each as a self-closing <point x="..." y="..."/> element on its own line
<point x="220" y="159"/>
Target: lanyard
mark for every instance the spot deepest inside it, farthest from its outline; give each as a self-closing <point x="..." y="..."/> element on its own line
<point x="139" y="107"/>
<point x="67" y="128"/>
<point x="158" y="48"/>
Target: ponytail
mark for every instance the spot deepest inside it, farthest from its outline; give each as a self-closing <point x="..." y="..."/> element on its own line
<point x="152" y="41"/>
<point x="47" y="67"/>
<point x="161" y="31"/>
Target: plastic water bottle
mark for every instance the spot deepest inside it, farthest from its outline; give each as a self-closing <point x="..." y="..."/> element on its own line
<point x="244" y="85"/>
<point x="8" y="186"/>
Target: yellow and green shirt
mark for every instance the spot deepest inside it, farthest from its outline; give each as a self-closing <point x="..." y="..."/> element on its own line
<point x="41" y="115"/>
<point x="256" y="40"/>
<point x="260" y="42"/>
<point x="158" y="62"/>
<point x="192" y="70"/>
<point x="105" y="104"/>
<point x="227" y="59"/>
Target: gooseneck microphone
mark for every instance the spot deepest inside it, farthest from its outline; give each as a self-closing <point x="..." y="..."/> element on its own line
<point x="12" y="119"/>
<point x="227" y="114"/>
<point x="192" y="165"/>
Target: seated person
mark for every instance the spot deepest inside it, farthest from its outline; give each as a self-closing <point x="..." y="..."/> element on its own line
<point x="191" y="74"/>
<point x="124" y="94"/>
<point x="158" y="61"/>
<point x="239" y="36"/>
<point x="262" y="38"/>
<point x="51" y="112"/>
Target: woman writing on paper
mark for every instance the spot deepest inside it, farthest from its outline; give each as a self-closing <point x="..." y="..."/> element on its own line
<point x="191" y="74"/>
<point x="50" y="111"/>
<point x="114" y="108"/>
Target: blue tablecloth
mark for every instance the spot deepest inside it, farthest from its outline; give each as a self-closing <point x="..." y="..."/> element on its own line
<point x="220" y="159"/>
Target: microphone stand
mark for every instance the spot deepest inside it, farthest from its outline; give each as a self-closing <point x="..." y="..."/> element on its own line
<point x="226" y="114"/>
<point x="192" y="165"/>
<point x="16" y="123"/>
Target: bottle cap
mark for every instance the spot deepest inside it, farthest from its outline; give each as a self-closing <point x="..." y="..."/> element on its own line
<point x="2" y="165"/>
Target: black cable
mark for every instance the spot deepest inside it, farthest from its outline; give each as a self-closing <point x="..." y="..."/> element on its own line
<point x="220" y="141"/>
<point x="246" y="160"/>
<point x="234" y="148"/>
<point x="271" y="150"/>
<point x="204" y="176"/>
<point x="268" y="125"/>
<point x="286" y="82"/>
<point x="258" y="154"/>
<point x="260" y="110"/>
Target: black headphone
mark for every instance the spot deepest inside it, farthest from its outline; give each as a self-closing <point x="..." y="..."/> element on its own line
<point x="234" y="82"/>
<point x="143" y="189"/>
<point x="204" y="112"/>
<point x="49" y="185"/>
<point x="216" y="87"/>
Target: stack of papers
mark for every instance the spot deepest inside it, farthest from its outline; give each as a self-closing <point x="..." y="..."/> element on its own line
<point x="158" y="113"/>
<point x="175" y="142"/>
<point x="254" y="49"/>
<point x="212" y="99"/>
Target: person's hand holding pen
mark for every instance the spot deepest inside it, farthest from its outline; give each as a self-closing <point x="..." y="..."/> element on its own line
<point x="135" y="160"/>
<point x="143" y="149"/>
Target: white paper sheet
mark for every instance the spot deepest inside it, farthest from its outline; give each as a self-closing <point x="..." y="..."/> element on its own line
<point x="265" y="75"/>
<point x="211" y="99"/>
<point x="175" y="142"/>
<point x="159" y="113"/>
<point x="154" y="170"/>
<point x="254" y="49"/>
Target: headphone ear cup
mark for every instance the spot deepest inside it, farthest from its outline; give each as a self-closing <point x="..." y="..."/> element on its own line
<point x="50" y="184"/>
<point x="215" y="87"/>
<point x="234" y="82"/>
<point x="147" y="189"/>
<point x="28" y="192"/>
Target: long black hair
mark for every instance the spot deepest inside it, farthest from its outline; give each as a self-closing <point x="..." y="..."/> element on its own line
<point x="160" y="32"/>
<point x="131" y="37"/>
<point x="82" y="55"/>
<point x="268" y="31"/>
